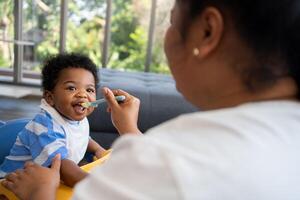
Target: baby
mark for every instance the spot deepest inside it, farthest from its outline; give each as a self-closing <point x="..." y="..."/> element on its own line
<point x="61" y="127"/>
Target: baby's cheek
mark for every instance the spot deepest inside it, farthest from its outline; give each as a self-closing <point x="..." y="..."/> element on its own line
<point x="92" y="97"/>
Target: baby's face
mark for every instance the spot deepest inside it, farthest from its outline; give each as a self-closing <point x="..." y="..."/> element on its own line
<point x="74" y="86"/>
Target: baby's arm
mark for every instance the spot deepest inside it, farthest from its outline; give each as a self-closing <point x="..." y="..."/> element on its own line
<point x="95" y="148"/>
<point x="70" y="173"/>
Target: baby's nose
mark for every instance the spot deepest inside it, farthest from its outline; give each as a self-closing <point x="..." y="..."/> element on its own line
<point x="81" y="95"/>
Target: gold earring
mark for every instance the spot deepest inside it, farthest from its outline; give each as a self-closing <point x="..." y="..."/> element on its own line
<point x="196" y="51"/>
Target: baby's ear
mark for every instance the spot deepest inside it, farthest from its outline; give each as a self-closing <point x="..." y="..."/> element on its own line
<point x="48" y="96"/>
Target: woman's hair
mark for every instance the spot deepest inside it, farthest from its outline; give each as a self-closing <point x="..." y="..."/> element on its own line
<point x="55" y="64"/>
<point x="271" y="28"/>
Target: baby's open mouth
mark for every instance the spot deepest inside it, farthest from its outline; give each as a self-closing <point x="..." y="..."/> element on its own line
<point x="79" y="108"/>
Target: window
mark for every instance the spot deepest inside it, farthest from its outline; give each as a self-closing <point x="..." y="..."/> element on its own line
<point x="6" y="39"/>
<point x="132" y="38"/>
<point x="41" y="32"/>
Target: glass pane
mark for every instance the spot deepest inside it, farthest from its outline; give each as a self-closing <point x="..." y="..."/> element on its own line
<point x="129" y="31"/>
<point x="85" y="28"/>
<point x="159" y="61"/>
<point x="41" y="29"/>
<point x="6" y="38"/>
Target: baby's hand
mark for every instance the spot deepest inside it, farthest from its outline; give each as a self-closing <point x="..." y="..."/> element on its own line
<point x="99" y="153"/>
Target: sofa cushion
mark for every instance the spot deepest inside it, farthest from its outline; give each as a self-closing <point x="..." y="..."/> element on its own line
<point x="160" y="100"/>
<point x="104" y="139"/>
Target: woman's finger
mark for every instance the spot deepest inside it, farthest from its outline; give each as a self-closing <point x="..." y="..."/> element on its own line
<point x="4" y="182"/>
<point x="28" y="164"/>
<point x="13" y="187"/>
<point x="8" y="185"/>
<point x="110" y="97"/>
<point x="11" y="177"/>
<point x="56" y="162"/>
<point x="119" y="92"/>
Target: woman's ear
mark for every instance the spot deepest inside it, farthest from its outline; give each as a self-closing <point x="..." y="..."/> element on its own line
<point x="211" y="26"/>
<point x="48" y="96"/>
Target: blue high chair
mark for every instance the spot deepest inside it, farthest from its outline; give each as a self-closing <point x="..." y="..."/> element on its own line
<point x="2" y="123"/>
<point x="8" y="134"/>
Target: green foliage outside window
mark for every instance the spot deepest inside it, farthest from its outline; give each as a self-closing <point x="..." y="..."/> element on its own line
<point x="85" y="31"/>
<point x="6" y="32"/>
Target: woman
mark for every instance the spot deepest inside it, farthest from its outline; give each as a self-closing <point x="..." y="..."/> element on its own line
<point x="239" y="61"/>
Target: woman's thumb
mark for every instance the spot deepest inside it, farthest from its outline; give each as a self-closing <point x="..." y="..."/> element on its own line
<point x="56" y="163"/>
<point x="110" y="97"/>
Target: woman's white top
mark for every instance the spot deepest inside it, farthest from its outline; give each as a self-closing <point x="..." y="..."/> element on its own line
<point x="247" y="152"/>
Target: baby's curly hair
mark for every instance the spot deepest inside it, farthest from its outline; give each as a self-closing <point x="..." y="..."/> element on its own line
<point x="55" y="64"/>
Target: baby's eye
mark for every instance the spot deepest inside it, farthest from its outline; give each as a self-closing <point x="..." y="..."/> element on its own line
<point x="71" y="88"/>
<point x="90" y="90"/>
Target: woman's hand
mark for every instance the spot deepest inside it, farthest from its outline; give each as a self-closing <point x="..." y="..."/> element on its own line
<point x="124" y="115"/>
<point x="35" y="181"/>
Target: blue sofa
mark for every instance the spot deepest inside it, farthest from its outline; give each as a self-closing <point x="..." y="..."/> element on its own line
<point x="160" y="102"/>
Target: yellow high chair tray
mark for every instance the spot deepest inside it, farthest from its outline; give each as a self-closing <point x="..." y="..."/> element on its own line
<point x="64" y="192"/>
